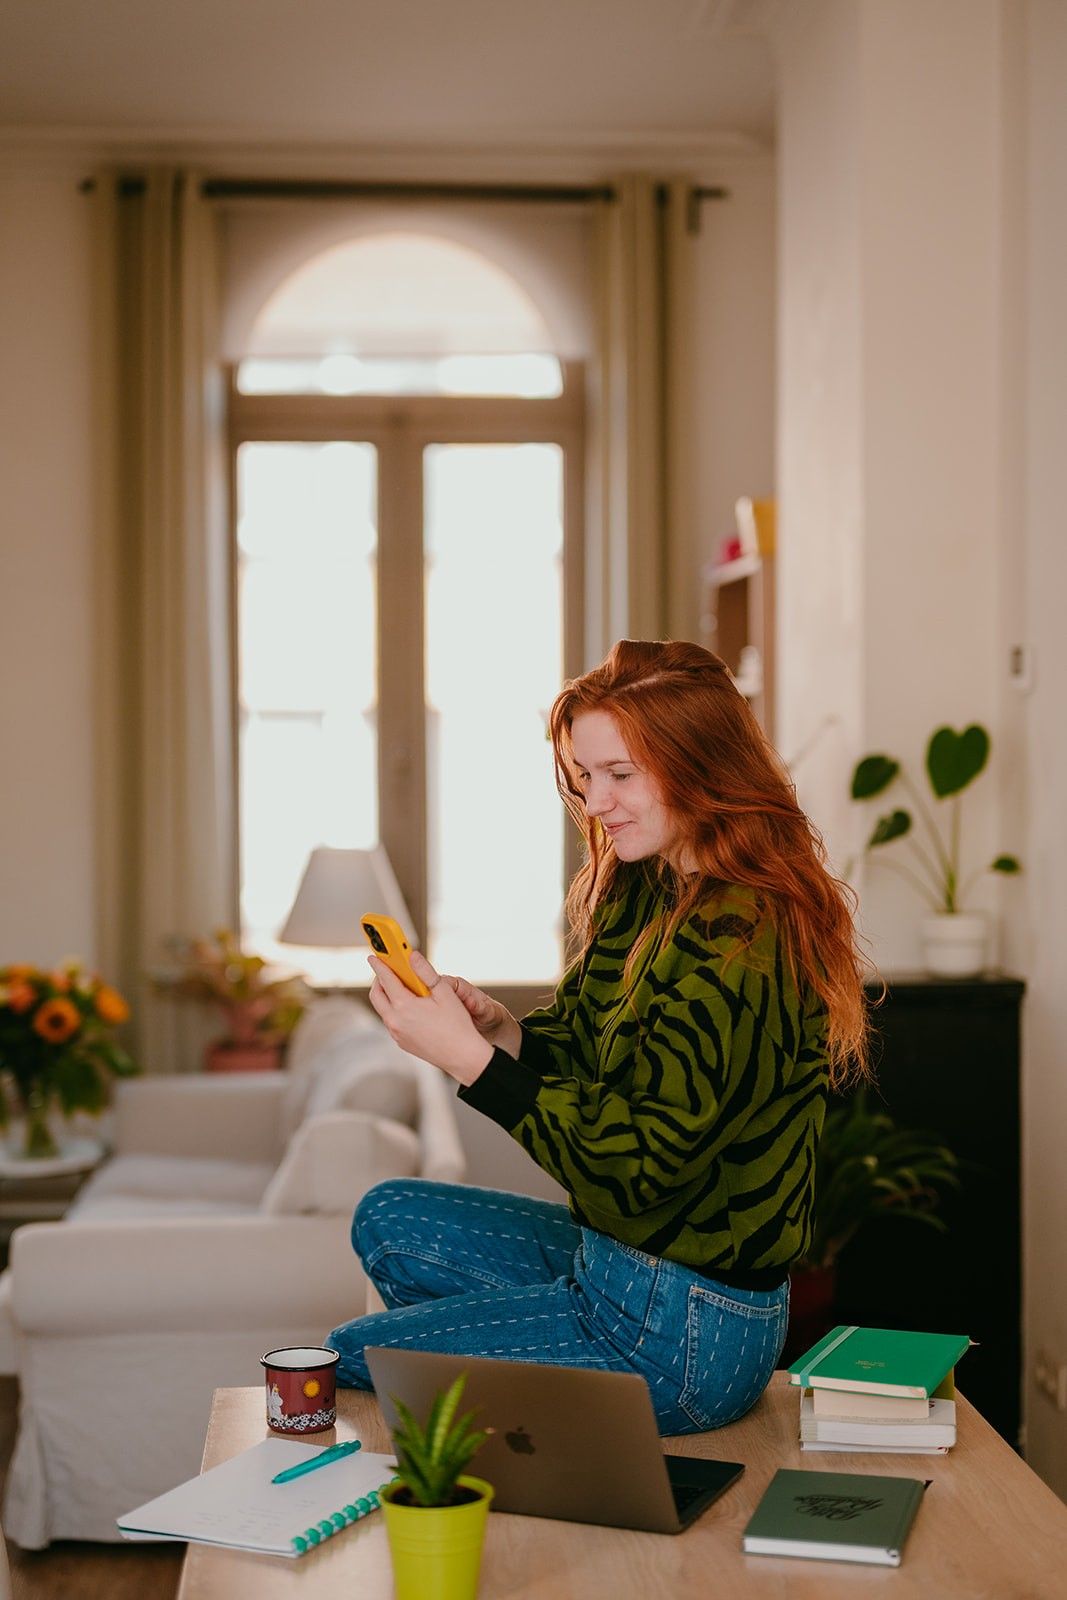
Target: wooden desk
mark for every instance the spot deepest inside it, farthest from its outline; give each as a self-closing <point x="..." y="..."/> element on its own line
<point x="989" y="1528"/>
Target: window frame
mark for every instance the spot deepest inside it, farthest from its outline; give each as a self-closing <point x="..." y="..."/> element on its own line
<point x="400" y="427"/>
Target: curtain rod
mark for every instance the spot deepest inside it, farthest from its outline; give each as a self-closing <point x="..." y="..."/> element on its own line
<point x="359" y="189"/>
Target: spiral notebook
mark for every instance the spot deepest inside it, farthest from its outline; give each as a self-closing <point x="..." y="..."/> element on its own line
<point x="235" y="1505"/>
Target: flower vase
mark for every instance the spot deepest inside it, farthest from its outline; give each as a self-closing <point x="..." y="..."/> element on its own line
<point x="38" y="1142"/>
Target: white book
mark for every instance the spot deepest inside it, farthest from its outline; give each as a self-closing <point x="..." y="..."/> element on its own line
<point x="939" y="1428"/>
<point x="237" y="1506"/>
<point x="876" y="1449"/>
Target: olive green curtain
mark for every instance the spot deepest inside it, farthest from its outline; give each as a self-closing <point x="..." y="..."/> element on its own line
<point x="164" y="802"/>
<point x="642" y="546"/>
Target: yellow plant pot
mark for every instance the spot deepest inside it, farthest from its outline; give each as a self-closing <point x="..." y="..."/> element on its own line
<point x="437" y="1550"/>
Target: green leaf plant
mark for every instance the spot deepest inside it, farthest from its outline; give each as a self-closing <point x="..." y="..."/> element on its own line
<point x="953" y="760"/>
<point x="430" y="1459"/>
<point x="866" y="1166"/>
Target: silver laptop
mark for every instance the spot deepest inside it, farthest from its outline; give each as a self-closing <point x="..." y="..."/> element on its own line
<point x="566" y="1442"/>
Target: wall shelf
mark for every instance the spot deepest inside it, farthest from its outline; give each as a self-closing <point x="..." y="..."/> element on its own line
<point x="738" y="614"/>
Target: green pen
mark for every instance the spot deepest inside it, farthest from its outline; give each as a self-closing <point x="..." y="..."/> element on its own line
<point x="336" y="1452"/>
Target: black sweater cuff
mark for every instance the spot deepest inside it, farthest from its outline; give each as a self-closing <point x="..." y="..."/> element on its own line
<point x="505" y="1091"/>
<point x="534" y="1052"/>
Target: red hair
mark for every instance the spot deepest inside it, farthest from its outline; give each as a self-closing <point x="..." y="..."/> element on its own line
<point x="686" y="724"/>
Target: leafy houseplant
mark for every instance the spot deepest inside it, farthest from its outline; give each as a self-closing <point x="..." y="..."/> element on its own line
<point x="954" y="940"/>
<point x="435" y="1515"/>
<point x="865" y="1167"/>
<point x="56" y="1046"/>
<point x="260" y="1006"/>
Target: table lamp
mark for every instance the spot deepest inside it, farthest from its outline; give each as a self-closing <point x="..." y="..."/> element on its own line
<point x="338" y="886"/>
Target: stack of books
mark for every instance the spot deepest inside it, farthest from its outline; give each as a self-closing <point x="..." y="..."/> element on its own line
<point x="884" y="1391"/>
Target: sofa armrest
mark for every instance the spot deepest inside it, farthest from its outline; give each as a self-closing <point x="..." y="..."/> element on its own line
<point x="232" y="1116"/>
<point x="442" y="1153"/>
<point x="187" y="1275"/>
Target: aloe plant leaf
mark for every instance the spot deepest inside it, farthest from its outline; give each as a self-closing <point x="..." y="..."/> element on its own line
<point x="894" y="825"/>
<point x="954" y="759"/>
<point x="872" y="775"/>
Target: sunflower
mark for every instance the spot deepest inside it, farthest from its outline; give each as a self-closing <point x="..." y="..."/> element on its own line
<point x="110" y="1006"/>
<point x="21" y="995"/>
<point x="57" y="1021"/>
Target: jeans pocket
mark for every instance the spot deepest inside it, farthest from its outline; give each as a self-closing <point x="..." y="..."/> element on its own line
<point x="732" y="1346"/>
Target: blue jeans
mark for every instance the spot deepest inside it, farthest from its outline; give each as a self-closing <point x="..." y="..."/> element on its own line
<point x="476" y="1272"/>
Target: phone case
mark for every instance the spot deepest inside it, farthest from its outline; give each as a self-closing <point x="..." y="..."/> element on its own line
<point x="386" y="938"/>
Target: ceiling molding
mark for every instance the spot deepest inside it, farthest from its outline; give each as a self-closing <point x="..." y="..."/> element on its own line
<point x="576" y="155"/>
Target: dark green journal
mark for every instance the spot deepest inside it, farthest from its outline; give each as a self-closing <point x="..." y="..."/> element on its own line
<point x="834" y="1516"/>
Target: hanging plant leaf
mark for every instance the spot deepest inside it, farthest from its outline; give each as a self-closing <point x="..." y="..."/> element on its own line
<point x="894" y="825"/>
<point x="1006" y="864"/>
<point x="954" y="759"/>
<point x="872" y="775"/>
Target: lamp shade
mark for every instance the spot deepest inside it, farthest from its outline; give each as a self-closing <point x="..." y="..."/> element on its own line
<point x="338" y="886"/>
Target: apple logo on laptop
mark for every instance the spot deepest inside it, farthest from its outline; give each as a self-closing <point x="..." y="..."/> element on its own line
<point x="519" y="1441"/>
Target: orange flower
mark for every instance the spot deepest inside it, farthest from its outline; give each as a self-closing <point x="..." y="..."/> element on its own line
<point x="57" y="1021"/>
<point x="110" y="1006"/>
<point x="21" y="996"/>
<point x="20" y="969"/>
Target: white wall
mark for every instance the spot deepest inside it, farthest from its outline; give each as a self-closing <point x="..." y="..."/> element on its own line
<point x="1039" y="519"/>
<point x="734" y="351"/>
<point x="47" y="908"/>
<point x="820" y="423"/>
<point x="890" y="407"/>
<point x="923" y="152"/>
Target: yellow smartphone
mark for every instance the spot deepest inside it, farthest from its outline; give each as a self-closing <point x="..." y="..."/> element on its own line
<point x="386" y="938"/>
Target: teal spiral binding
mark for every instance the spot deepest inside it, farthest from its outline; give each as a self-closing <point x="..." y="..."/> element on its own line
<point x="303" y="1542"/>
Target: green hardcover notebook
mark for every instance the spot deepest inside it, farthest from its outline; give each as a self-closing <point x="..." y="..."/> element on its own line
<point x="881" y="1360"/>
<point x="834" y="1516"/>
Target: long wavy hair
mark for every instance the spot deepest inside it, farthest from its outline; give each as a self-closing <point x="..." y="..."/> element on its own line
<point x="684" y="721"/>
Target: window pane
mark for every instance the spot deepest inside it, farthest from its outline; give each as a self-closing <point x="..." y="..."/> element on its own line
<point x="494" y="660"/>
<point x="306" y="585"/>
<point x="532" y="376"/>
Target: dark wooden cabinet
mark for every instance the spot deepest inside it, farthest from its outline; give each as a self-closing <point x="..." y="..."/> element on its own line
<point x="947" y="1056"/>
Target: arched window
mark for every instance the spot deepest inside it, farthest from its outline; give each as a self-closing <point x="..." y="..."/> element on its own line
<point x="407" y="452"/>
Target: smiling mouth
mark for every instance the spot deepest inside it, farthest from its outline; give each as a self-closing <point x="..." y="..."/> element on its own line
<point x="613" y="827"/>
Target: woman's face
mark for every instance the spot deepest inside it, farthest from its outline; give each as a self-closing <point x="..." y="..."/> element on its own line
<point x="615" y="789"/>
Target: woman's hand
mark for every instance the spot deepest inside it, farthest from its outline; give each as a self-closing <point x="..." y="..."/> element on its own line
<point x="437" y="1027"/>
<point x="493" y="1021"/>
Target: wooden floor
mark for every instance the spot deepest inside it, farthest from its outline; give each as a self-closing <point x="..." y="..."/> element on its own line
<point x="76" y="1571"/>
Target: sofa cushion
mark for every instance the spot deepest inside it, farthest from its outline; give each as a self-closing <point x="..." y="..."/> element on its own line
<point x="333" y="1159"/>
<point x="341" y="1058"/>
<point x="236" y="1185"/>
<point x="326" y="1018"/>
<point x="369" y="1075"/>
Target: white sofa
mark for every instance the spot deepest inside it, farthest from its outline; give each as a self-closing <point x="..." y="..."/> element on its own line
<point x="220" y="1228"/>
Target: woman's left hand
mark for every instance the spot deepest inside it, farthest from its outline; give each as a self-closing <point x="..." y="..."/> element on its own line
<point x="437" y="1026"/>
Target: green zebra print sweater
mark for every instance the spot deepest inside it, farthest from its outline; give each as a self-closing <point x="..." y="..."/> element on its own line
<point x="683" y="1122"/>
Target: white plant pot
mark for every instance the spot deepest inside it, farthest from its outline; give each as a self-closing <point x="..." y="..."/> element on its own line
<point x="955" y="943"/>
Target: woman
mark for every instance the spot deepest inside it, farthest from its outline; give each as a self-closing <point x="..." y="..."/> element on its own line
<point x="676" y="1087"/>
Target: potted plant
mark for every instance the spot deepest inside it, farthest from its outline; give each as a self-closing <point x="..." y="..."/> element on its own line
<point x="56" y="1047"/>
<point x="954" y="941"/>
<point x="260" y="1004"/>
<point x="865" y="1166"/>
<point x="435" y="1514"/>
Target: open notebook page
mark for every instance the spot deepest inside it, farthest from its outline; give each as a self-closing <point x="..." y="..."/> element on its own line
<point x="236" y="1504"/>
